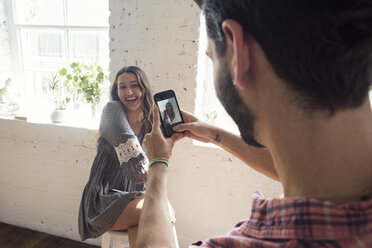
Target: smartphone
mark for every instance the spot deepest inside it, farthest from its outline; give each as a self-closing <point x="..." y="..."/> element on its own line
<point x="169" y="110"/>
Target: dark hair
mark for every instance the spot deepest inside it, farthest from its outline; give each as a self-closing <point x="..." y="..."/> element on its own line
<point x="146" y="99"/>
<point x="322" y="49"/>
<point x="172" y="115"/>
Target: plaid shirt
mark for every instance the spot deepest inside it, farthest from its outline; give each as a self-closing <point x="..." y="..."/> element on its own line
<point x="303" y="222"/>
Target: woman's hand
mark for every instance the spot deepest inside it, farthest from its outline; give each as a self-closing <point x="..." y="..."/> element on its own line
<point x="195" y="129"/>
<point x="158" y="146"/>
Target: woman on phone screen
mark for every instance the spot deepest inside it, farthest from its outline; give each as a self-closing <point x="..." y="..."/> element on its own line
<point x="169" y="114"/>
<point x="112" y="198"/>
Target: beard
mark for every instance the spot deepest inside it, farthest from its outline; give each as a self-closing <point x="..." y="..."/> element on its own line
<point x="235" y="107"/>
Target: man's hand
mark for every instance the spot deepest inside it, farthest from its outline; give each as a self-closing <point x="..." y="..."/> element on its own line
<point x="157" y="145"/>
<point x="258" y="159"/>
<point x="155" y="227"/>
<point x="195" y="129"/>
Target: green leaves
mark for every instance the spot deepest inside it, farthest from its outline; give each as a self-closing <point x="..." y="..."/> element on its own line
<point x="211" y="117"/>
<point x="74" y="65"/>
<point x="62" y="72"/>
<point x="84" y="81"/>
<point x="59" y="92"/>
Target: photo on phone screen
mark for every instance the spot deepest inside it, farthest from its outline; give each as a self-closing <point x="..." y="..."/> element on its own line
<point x="170" y="113"/>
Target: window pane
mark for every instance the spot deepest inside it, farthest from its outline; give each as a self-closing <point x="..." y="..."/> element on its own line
<point x="212" y="110"/>
<point x="40" y="81"/>
<point x="42" y="49"/>
<point x="208" y="108"/>
<point x="39" y="12"/>
<point x="37" y="85"/>
<point x="87" y="12"/>
<point x="89" y="46"/>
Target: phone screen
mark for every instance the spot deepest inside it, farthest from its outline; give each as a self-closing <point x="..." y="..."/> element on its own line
<point x="169" y="111"/>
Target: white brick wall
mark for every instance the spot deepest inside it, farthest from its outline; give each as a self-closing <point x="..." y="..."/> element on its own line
<point x="43" y="168"/>
<point x="160" y="36"/>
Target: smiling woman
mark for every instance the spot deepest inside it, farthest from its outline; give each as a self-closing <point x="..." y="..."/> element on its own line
<point x="112" y="198"/>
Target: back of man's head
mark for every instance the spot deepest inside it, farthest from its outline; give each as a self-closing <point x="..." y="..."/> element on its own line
<point x="322" y="49"/>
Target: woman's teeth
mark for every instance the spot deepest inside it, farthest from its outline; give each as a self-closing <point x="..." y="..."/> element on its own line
<point x="131" y="99"/>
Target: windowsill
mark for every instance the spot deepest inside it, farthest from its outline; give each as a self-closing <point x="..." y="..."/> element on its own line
<point x="72" y="120"/>
<point x="40" y="113"/>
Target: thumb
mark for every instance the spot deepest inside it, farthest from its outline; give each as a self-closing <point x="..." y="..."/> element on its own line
<point x="177" y="136"/>
<point x="156" y="119"/>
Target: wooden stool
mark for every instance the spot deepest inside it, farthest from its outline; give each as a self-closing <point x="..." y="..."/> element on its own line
<point x="117" y="237"/>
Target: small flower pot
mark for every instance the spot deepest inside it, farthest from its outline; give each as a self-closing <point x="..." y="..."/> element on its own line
<point x="58" y="115"/>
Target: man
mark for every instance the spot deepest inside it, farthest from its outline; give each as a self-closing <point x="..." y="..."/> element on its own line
<point x="294" y="76"/>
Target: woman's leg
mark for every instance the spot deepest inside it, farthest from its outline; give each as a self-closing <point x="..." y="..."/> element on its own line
<point x="129" y="219"/>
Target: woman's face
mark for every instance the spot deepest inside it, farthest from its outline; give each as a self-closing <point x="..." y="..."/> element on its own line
<point x="169" y="108"/>
<point x="129" y="91"/>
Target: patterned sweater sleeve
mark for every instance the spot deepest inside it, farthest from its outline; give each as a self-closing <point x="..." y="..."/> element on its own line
<point x="115" y="129"/>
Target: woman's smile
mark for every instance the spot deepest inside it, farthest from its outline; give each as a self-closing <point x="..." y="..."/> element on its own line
<point x="129" y="91"/>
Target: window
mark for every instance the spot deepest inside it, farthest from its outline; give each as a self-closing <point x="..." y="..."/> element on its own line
<point x="51" y="34"/>
<point x="208" y="107"/>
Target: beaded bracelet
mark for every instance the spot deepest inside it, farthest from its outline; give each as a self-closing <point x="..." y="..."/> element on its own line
<point x="159" y="160"/>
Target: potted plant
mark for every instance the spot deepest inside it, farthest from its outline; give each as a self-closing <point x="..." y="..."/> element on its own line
<point x="211" y="117"/>
<point x="84" y="82"/>
<point x="60" y="98"/>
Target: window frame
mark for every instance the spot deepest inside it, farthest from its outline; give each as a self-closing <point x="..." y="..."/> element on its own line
<point x="204" y="84"/>
<point x="15" y="41"/>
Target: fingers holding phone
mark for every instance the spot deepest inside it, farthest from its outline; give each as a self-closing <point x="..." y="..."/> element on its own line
<point x="158" y="146"/>
<point x="195" y="129"/>
<point x="159" y="143"/>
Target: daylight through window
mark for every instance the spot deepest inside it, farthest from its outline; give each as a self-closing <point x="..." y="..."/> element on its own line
<point x="52" y="34"/>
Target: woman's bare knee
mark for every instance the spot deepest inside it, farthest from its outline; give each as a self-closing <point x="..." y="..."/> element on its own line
<point x="130" y="215"/>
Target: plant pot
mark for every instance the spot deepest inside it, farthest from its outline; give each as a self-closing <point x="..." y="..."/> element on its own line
<point x="58" y="115"/>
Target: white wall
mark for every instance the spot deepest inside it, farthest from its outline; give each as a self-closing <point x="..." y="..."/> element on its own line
<point x="43" y="168"/>
<point x="5" y="52"/>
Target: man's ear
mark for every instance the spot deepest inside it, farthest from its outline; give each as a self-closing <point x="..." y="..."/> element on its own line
<point x="240" y="58"/>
